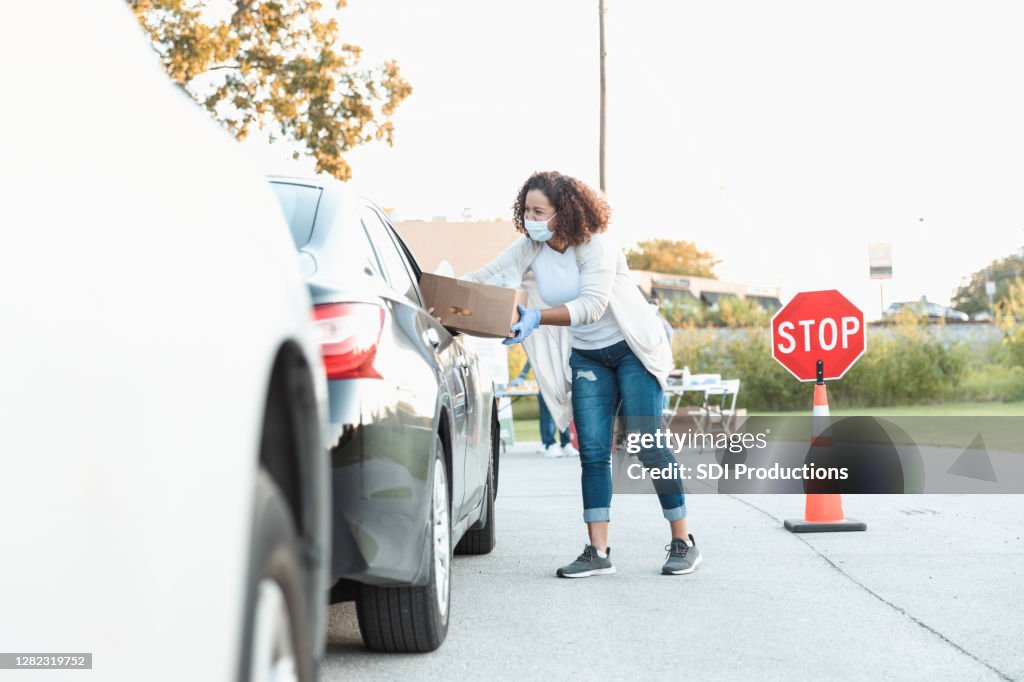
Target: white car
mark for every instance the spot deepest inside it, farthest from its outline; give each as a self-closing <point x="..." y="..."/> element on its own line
<point x="163" y="489"/>
<point x="933" y="311"/>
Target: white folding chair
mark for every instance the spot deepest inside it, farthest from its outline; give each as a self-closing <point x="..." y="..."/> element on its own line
<point x="672" y="400"/>
<point x="720" y="414"/>
<point x="676" y="399"/>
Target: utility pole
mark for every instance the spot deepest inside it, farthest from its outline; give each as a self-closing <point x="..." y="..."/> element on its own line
<point x="600" y="153"/>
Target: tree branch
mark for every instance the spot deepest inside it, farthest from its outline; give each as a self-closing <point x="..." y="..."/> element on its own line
<point x="242" y="8"/>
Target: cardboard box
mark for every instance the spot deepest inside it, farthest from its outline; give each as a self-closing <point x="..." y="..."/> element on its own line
<point x="477" y="309"/>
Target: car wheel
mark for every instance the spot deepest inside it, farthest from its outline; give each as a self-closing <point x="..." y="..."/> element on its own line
<point x="277" y="645"/>
<point x="495" y="446"/>
<point x="482" y="540"/>
<point x="415" y="619"/>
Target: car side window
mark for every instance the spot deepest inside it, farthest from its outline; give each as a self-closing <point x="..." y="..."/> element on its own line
<point x="396" y="271"/>
<point x="403" y="249"/>
<point x="364" y="253"/>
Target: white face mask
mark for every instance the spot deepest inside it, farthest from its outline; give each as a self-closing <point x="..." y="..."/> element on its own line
<point x="538" y="230"/>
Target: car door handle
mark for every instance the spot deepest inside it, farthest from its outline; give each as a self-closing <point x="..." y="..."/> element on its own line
<point x="431" y="337"/>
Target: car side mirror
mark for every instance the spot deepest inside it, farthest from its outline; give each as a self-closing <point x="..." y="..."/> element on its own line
<point x="307" y="264"/>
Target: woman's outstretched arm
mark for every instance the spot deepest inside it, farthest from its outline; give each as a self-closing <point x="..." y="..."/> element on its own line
<point x="510" y="262"/>
<point x="556" y="316"/>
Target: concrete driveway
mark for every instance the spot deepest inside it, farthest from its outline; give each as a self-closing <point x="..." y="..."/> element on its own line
<point x="933" y="590"/>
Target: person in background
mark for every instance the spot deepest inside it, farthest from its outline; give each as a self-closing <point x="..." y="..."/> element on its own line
<point x="547" y="425"/>
<point x="656" y="306"/>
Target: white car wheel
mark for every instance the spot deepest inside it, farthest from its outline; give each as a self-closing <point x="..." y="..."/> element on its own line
<point x="277" y="646"/>
<point x="273" y="656"/>
<point x="442" y="538"/>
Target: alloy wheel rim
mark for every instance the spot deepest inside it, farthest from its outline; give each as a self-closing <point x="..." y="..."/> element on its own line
<point x="442" y="543"/>
<point x="273" y="656"/>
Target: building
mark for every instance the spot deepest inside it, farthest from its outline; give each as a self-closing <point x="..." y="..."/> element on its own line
<point x="471" y="244"/>
<point x="465" y="245"/>
<point x="708" y="292"/>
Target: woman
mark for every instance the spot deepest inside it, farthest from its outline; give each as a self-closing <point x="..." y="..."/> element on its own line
<point x="589" y="330"/>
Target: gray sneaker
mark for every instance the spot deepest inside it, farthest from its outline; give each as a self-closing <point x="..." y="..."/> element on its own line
<point x="682" y="558"/>
<point x="588" y="564"/>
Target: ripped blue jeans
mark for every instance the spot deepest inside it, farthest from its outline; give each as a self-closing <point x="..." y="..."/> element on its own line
<point x="600" y="377"/>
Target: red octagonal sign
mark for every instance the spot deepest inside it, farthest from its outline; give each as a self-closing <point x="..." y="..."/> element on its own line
<point x="818" y="325"/>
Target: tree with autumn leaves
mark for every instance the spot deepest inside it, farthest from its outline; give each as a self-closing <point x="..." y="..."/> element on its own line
<point x="672" y="257"/>
<point x="277" y="66"/>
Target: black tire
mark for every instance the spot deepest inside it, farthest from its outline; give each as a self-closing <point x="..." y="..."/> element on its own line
<point x="275" y="558"/>
<point x="482" y="540"/>
<point x="410" y="619"/>
<point x="495" y="446"/>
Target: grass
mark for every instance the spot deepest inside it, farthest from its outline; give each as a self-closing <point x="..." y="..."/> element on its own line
<point x="998" y="434"/>
<point x="1009" y="409"/>
<point x="527" y="430"/>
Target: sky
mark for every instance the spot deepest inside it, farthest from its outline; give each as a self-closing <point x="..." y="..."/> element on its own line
<point x="783" y="137"/>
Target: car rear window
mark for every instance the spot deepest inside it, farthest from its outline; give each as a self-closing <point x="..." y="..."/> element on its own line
<point x="299" y="204"/>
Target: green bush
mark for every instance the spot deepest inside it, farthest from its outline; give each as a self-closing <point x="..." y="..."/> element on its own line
<point x="525" y="407"/>
<point x="1014" y="344"/>
<point x="683" y="312"/>
<point x="1009" y="313"/>
<point x="743" y="354"/>
<point x="516" y="361"/>
<point x="991" y="383"/>
<point x="730" y="312"/>
<point x="735" y="312"/>
<point x="905" y="364"/>
<point x="906" y="367"/>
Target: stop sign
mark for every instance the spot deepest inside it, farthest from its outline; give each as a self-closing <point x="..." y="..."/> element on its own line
<point x="818" y="325"/>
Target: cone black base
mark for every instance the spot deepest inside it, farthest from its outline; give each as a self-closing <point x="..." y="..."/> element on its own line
<point x="801" y="526"/>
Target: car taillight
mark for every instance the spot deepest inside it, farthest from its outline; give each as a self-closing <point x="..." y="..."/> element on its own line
<point x="348" y="334"/>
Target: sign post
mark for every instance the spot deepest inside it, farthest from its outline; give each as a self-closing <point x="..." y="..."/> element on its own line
<point x="880" y="267"/>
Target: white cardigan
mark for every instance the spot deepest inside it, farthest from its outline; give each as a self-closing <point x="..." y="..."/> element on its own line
<point x="604" y="282"/>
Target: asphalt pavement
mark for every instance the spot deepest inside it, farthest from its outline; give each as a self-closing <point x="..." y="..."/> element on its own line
<point x="934" y="589"/>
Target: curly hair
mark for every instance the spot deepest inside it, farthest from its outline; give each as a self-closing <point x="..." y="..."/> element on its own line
<point x="579" y="210"/>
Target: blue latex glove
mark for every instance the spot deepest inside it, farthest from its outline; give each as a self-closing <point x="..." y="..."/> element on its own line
<point x="518" y="381"/>
<point x="529" y="319"/>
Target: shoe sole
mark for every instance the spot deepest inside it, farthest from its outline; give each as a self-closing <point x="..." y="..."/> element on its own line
<point x="685" y="571"/>
<point x="586" y="574"/>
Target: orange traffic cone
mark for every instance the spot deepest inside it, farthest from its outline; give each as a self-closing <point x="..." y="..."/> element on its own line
<point x="823" y="512"/>
<point x="821" y="423"/>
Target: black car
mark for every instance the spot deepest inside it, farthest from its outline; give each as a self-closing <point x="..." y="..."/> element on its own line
<point x="413" y="425"/>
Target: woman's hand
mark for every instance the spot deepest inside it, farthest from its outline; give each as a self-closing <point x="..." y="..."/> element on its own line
<point x="430" y="310"/>
<point x="529" y="320"/>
